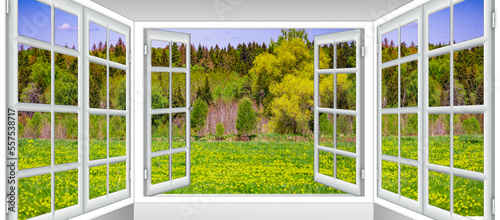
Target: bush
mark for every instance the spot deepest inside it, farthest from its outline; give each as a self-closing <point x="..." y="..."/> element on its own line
<point x="471" y="126"/>
<point x="246" y="119"/>
<point x="219" y="129"/>
<point x="199" y="114"/>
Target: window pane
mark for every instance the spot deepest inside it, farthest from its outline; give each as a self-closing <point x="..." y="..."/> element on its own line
<point x="117" y="89"/>
<point x="97" y="40"/>
<point x="178" y="90"/>
<point x="409" y="39"/>
<point x="439" y="81"/>
<point x="178" y="165"/>
<point x="117" y="136"/>
<point x="98" y="84"/>
<point x="117" y="177"/>
<point x="326" y="90"/>
<point x="468" y="20"/>
<point x="390" y="176"/>
<point x="66" y="189"/>
<point x="346" y="91"/>
<point x="346" y="54"/>
<point x="117" y="47"/>
<point x="409" y="136"/>
<point x="34" y="20"/>
<point x="439" y="139"/>
<point x="66" y="33"/>
<point x="439" y="190"/>
<point x="468" y="74"/>
<point x="409" y="182"/>
<point x="160" y="53"/>
<point x="98" y="137"/>
<point x="34" y="196"/>
<point x="66" y="138"/>
<point x="326" y="56"/>
<point x="468" y="197"/>
<point x="325" y="163"/>
<point x="390" y="46"/>
<point x="178" y="54"/>
<point x="390" y="143"/>
<point x="34" y="75"/>
<point x="160" y="88"/>
<point x="326" y="134"/>
<point x="66" y="84"/>
<point x="178" y="130"/>
<point x="409" y="84"/>
<point x="34" y="139"/>
<point x="346" y="133"/>
<point x="390" y="87"/>
<point x="160" y="169"/>
<point x="439" y="29"/>
<point x="97" y="181"/>
<point x="468" y="142"/>
<point x="346" y="169"/>
<point x="160" y="131"/>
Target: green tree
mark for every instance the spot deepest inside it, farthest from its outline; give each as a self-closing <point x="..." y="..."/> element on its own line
<point x="199" y="115"/>
<point x="219" y="128"/>
<point x="246" y="119"/>
<point x="204" y="93"/>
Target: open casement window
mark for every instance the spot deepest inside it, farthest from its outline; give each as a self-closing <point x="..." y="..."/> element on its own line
<point x="168" y="111"/>
<point x="435" y="103"/>
<point x="338" y="110"/>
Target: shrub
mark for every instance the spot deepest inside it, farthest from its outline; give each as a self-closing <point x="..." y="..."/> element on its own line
<point x="246" y="119"/>
<point x="219" y="129"/>
<point x="471" y="126"/>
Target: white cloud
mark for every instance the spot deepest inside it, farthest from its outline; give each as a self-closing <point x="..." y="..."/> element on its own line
<point x="66" y="27"/>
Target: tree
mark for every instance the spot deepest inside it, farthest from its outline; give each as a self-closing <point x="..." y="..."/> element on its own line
<point x="246" y="119"/>
<point x="219" y="130"/>
<point x="204" y="93"/>
<point x="199" y="115"/>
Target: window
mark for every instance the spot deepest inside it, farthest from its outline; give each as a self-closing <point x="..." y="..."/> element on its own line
<point x="434" y="110"/>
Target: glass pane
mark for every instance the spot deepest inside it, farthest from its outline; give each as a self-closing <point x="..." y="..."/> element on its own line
<point x="34" y="139"/>
<point x="117" y="177"/>
<point x="117" y="136"/>
<point x="117" y="89"/>
<point x="66" y="189"/>
<point x="390" y="46"/>
<point x="409" y="182"/>
<point x="439" y="139"/>
<point x="117" y="47"/>
<point x="66" y="138"/>
<point x="34" y="75"/>
<point x="159" y="169"/>
<point x="346" y="133"/>
<point x="439" y="29"/>
<point x="326" y="56"/>
<point x="178" y="130"/>
<point x="178" y="54"/>
<point x="409" y="136"/>
<point x="34" y="20"/>
<point x="160" y="90"/>
<point x="346" y="91"/>
<point x="409" y="84"/>
<point x="390" y="176"/>
<point x="390" y="135"/>
<point x="468" y="142"/>
<point x="97" y="40"/>
<point x="97" y="181"/>
<point x="66" y="84"/>
<point x="468" y="20"/>
<point x="468" y="197"/>
<point x="98" y="137"/>
<point x="34" y="196"/>
<point x="325" y="163"/>
<point x="66" y="33"/>
<point x="178" y="165"/>
<point x="390" y="87"/>
<point x="98" y="84"/>
<point x="409" y="39"/>
<point x="178" y="90"/>
<point x="326" y="134"/>
<point x="160" y="53"/>
<point x="346" y="54"/>
<point x="160" y="131"/>
<point x="439" y="190"/>
<point x="439" y="81"/>
<point x="326" y="90"/>
<point x="468" y="74"/>
<point x="346" y="169"/>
